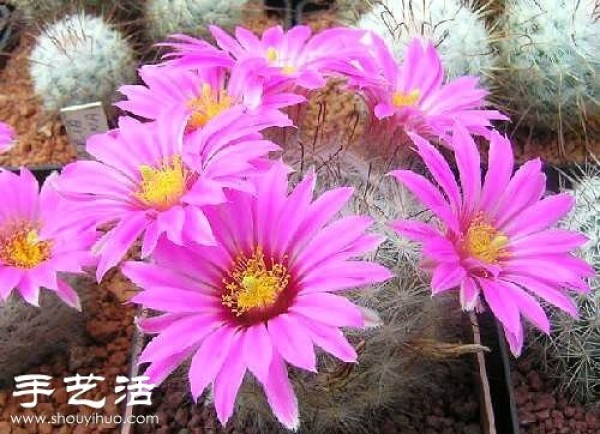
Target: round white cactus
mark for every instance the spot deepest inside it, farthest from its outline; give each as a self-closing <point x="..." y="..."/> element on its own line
<point x="457" y="29"/>
<point x="550" y="62"/>
<point x="571" y="354"/>
<point x="80" y="59"/>
<point x="165" y="17"/>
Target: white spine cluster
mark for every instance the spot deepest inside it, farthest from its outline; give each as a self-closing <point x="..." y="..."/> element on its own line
<point x="165" y="17"/>
<point x="571" y="354"/>
<point x="457" y="29"/>
<point x="80" y="59"/>
<point x="550" y="62"/>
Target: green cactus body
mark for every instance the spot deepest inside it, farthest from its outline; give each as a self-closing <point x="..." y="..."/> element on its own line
<point x="165" y="17"/>
<point x="80" y="59"/>
<point x="550" y="66"/>
<point x="571" y="353"/>
<point x="458" y="31"/>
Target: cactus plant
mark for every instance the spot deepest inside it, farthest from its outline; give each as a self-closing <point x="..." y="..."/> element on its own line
<point x="571" y="354"/>
<point x="80" y="59"/>
<point x="37" y="12"/>
<point x="549" y="63"/>
<point x="165" y="17"/>
<point x="457" y="29"/>
<point x="343" y="397"/>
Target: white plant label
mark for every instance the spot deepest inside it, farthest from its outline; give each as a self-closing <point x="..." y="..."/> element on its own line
<point x="83" y="121"/>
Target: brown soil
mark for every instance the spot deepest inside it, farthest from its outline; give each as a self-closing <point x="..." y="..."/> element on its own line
<point x="41" y="138"/>
<point x="109" y="324"/>
<point x="542" y="410"/>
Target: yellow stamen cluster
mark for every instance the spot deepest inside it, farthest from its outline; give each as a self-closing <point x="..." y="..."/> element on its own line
<point x="252" y="284"/>
<point x="21" y="247"/>
<point x="400" y="99"/>
<point x="162" y="187"/>
<point x="209" y="104"/>
<point x="273" y="58"/>
<point x="484" y="242"/>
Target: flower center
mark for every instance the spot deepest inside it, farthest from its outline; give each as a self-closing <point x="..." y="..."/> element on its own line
<point x="484" y="242"/>
<point x="21" y="247"/>
<point x="400" y="99"/>
<point x="254" y="283"/>
<point x="162" y="187"/>
<point x="209" y="104"/>
<point x="273" y="58"/>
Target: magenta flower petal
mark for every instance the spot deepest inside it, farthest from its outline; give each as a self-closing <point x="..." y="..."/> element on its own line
<point x="292" y="341"/>
<point x="260" y="288"/>
<point x="500" y="169"/>
<point x="280" y="394"/>
<point x="439" y="168"/>
<point x="209" y="359"/>
<point x="469" y="166"/>
<point x="258" y="351"/>
<point x="148" y="174"/>
<point x="540" y="215"/>
<point x="529" y="307"/>
<point x="503" y="308"/>
<point x="498" y="247"/>
<point x="414" y="230"/>
<point x="328" y="309"/>
<point x="41" y="235"/>
<point x="412" y="94"/>
<point x="428" y="195"/>
<point x="176" y="338"/>
<point x="447" y="276"/>
<point x="7" y="137"/>
<point x="229" y="380"/>
<point x="331" y="340"/>
<point x="547" y="292"/>
<point x="9" y="279"/>
<point x="469" y="294"/>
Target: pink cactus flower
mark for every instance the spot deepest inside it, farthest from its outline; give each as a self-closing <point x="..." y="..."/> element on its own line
<point x="7" y="137"/>
<point x="263" y="296"/>
<point x="494" y="241"/>
<point x="40" y="236"/>
<point x="200" y="96"/>
<point x="413" y="95"/>
<point x="149" y="180"/>
<point x="295" y="56"/>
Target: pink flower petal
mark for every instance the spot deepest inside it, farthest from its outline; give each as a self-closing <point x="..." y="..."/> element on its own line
<point x="540" y="215"/>
<point x="547" y="292"/>
<point x="258" y="351"/>
<point x="328" y="309"/>
<point x="67" y="294"/>
<point x="330" y="339"/>
<point x="500" y="169"/>
<point x="229" y="379"/>
<point x="469" y="294"/>
<point x="165" y="298"/>
<point x="447" y="276"/>
<point x="9" y="279"/>
<point x="529" y="307"/>
<point x="440" y="169"/>
<point x="428" y="195"/>
<point x="280" y="394"/>
<point x="209" y="359"/>
<point x="469" y="167"/>
<point x="292" y="342"/>
<point x="546" y="242"/>
<point x="118" y="241"/>
<point x="414" y="230"/>
<point x="496" y="296"/>
<point x="179" y="336"/>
